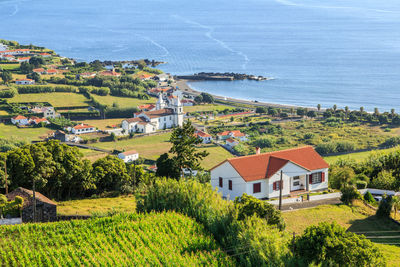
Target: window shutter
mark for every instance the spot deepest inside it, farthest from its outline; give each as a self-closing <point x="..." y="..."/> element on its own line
<point x="322" y="176"/>
<point x="274" y="185"/>
<point x="310" y="179"/>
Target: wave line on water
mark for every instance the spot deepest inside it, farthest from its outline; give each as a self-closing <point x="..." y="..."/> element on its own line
<point x="290" y="3"/>
<point x="166" y="52"/>
<point x="208" y="34"/>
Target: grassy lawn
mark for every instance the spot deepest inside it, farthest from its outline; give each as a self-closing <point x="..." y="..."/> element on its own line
<point x="217" y="154"/>
<point x="100" y="205"/>
<point x="361" y="156"/>
<point x="102" y="124"/>
<point x="359" y="219"/>
<point x="9" y="66"/>
<point x="123" y="102"/>
<point x="149" y="147"/>
<point x="22" y="134"/>
<point x="206" y="107"/>
<point x="92" y="155"/>
<point x="55" y="99"/>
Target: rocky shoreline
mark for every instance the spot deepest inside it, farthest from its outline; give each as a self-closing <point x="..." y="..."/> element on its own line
<point x="217" y="76"/>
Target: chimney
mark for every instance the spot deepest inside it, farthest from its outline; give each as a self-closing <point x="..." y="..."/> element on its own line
<point x="258" y="150"/>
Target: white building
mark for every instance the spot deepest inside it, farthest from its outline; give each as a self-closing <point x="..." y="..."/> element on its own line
<point x="205" y="137"/>
<point x="82" y="129"/>
<point x="167" y="114"/>
<point x="129" y="156"/>
<point x="24" y="81"/>
<point x="232" y="134"/>
<point x="259" y="175"/>
<point x="231" y="143"/>
<point x="48" y="112"/>
<point x="20" y="120"/>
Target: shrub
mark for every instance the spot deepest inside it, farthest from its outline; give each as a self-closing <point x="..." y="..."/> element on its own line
<point x="384" y="180"/>
<point x="385" y="207"/>
<point x="368" y="197"/>
<point x="340" y="176"/>
<point x="349" y="193"/>
<point x="248" y="206"/>
<point x="251" y="241"/>
<point x="330" y="244"/>
<point x="263" y="142"/>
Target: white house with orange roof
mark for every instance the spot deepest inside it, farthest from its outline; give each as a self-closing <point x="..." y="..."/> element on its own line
<point x="24" y="81"/>
<point x="232" y="134"/>
<point x="259" y="175"/>
<point x="129" y="156"/>
<point x="82" y="129"/>
<point x="205" y="137"/>
<point x="23" y="59"/>
<point x="19" y="120"/>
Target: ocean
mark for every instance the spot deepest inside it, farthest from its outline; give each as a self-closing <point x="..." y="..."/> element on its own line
<point x="343" y="52"/>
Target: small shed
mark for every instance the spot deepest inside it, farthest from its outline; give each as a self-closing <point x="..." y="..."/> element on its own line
<point x="46" y="210"/>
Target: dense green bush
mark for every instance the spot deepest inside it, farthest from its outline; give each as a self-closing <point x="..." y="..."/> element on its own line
<point x="331" y="245"/>
<point x="368" y="197"/>
<point x="252" y="241"/>
<point x="349" y="193"/>
<point x="8" y="93"/>
<point x="361" y="184"/>
<point x="385" y="207"/>
<point x="36" y="89"/>
<point x="248" y="206"/>
<point x="10" y="208"/>
<point x="385" y="180"/>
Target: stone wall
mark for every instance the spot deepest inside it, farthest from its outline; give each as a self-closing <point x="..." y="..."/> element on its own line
<point x="44" y="213"/>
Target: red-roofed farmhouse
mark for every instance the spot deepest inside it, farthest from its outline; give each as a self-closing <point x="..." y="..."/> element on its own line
<point x="259" y="175"/>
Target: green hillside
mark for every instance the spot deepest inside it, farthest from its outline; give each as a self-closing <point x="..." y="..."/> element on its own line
<point x="154" y="239"/>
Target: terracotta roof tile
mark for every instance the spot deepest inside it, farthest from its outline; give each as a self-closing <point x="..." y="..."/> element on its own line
<point x="130" y="152"/>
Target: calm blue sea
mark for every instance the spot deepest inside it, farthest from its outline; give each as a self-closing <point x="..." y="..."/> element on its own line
<point x="344" y="52"/>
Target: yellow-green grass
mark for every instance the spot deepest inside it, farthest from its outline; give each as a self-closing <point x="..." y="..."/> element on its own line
<point x="217" y="155"/>
<point x="123" y="102"/>
<point x="9" y="66"/>
<point x="206" y="107"/>
<point x="358" y="218"/>
<point x="360" y="156"/>
<point x="3" y="112"/>
<point x="97" y="205"/>
<point x="92" y="155"/>
<point x="149" y="147"/>
<point x="22" y="134"/>
<point x="55" y="99"/>
<point x="102" y="124"/>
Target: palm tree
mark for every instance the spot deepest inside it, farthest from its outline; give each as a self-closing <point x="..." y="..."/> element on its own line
<point x="334" y="107"/>
<point x="346" y="108"/>
<point x="396" y="205"/>
<point x="319" y="107"/>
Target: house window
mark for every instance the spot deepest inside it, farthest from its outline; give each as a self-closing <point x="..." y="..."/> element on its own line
<point x="316" y="178"/>
<point x="230" y="185"/>
<point x="257" y="188"/>
<point x="276" y="185"/>
<point x="221" y="182"/>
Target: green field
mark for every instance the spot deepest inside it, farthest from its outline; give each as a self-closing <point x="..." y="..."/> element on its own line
<point x="123" y="102"/>
<point x="149" y="147"/>
<point x="22" y="134"/>
<point x="97" y="205"/>
<point x="359" y="219"/>
<point x="9" y="66"/>
<point x="155" y="239"/>
<point x="217" y="155"/>
<point x="360" y="156"/>
<point x="102" y="124"/>
<point x="206" y="107"/>
<point x="55" y="99"/>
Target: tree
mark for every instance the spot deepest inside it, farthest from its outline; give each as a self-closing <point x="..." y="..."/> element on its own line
<point x="6" y="76"/>
<point x="186" y="155"/>
<point x="110" y="173"/>
<point x="349" y="194"/>
<point x="312" y="114"/>
<point x="25" y="67"/>
<point x="198" y="99"/>
<point x="261" y="110"/>
<point x="248" y="206"/>
<point x="383" y="119"/>
<point x="34" y="76"/>
<point x="362" y="110"/>
<point x="369" y="198"/>
<point x="340" y="176"/>
<point x="3" y="203"/>
<point x="385" y="207"/>
<point x="166" y="167"/>
<point x="96" y="65"/>
<point x="301" y="111"/>
<point x="396" y="205"/>
<point x="392" y="112"/>
<point x="376" y="112"/>
<point x="346" y="109"/>
<point x="385" y="180"/>
<point x="272" y="111"/>
<point x="36" y="62"/>
<point x="207" y="98"/>
<point x="329" y="244"/>
<point x="334" y="107"/>
<point x="319" y="107"/>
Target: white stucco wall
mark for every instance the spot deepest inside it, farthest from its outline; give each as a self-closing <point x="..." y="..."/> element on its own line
<point x="227" y="172"/>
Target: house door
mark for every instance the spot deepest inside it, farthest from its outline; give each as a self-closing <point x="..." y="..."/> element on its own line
<point x="295" y="183"/>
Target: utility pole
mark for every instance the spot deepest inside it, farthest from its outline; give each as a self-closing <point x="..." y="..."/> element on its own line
<point x="34" y="201"/>
<point x="280" y="191"/>
<point x="5" y="174"/>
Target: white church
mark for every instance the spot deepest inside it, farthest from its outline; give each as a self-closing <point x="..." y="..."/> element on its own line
<point x="167" y="114"/>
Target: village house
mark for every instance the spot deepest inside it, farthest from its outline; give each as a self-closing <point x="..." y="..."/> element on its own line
<point x="48" y="112"/>
<point x="129" y="156"/>
<point x="145" y="77"/>
<point x="87" y="75"/>
<point x="81" y="129"/>
<point x="168" y="114"/>
<point x="15" y="52"/>
<point x="260" y="175"/>
<point x="7" y="57"/>
<point x="24" y="81"/>
<point x="110" y="73"/>
<point x="23" y="59"/>
<point x="157" y="91"/>
<point x="205" y="137"/>
<point x="232" y="134"/>
<point x="51" y="72"/>
<point x="148" y="107"/>
<point x="19" y="120"/>
<point x="39" y="70"/>
<point x="64" y="137"/>
<point x="187" y="102"/>
<point x="45" y="55"/>
<point x="163" y="77"/>
<point x="36" y="120"/>
<point x="46" y="210"/>
<point x="231" y="143"/>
